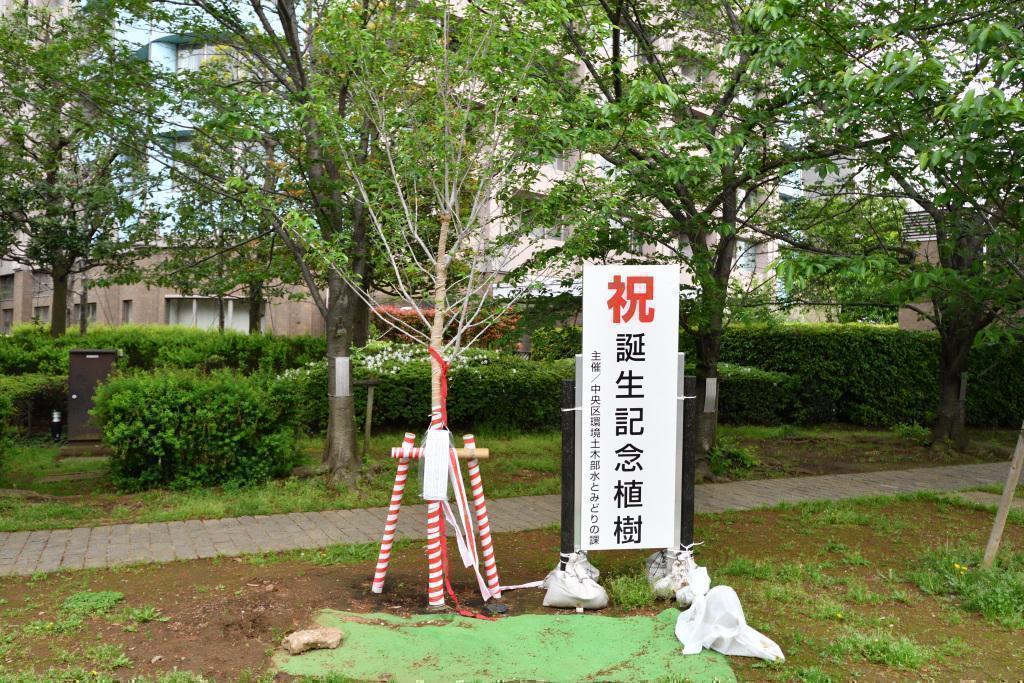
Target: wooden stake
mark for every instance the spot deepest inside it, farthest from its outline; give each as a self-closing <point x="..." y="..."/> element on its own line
<point x="1004" y="504"/>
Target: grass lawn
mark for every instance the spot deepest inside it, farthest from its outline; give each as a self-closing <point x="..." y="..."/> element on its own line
<point x="874" y="589"/>
<point x="522" y="464"/>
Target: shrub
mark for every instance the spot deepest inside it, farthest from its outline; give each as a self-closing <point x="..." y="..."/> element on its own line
<point x="485" y="388"/>
<point x="30" y="349"/>
<point x="181" y="429"/>
<point x="729" y="458"/>
<point x="552" y="343"/>
<point x="30" y="399"/>
<point x="872" y="375"/>
<point x="753" y="396"/>
<point x="493" y="389"/>
<point x="6" y="431"/>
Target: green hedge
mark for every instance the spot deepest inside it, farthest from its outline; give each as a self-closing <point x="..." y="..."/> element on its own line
<point x="30" y="400"/>
<point x="30" y="349"/>
<point x="755" y="396"/>
<point x="495" y="390"/>
<point x="181" y="429"/>
<point x="871" y="375"/>
<point x="486" y="389"/>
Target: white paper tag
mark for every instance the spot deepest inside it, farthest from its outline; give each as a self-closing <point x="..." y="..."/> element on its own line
<point x="435" y="464"/>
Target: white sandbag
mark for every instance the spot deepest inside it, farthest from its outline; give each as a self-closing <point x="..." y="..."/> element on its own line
<point x="575" y="586"/>
<point x="716" y="621"/>
<point x="698" y="586"/>
<point x="669" y="571"/>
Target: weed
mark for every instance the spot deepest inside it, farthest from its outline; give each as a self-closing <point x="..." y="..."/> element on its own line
<point x="913" y="432"/>
<point x="729" y="458"/>
<point x="630" y="591"/>
<point x="996" y="593"/>
<point x="91" y="602"/>
<point x="107" y="657"/>
<point x="812" y="674"/>
<point x="859" y="593"/>
<point x="827" y="609"/>
<point x="62" y="626"/>
<point x="144" y="615"/>
<point x="881" y="647"/>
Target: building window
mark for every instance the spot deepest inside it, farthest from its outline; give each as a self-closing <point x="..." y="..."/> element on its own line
<point x="90" y="311"/>
<point x="191" y="57"/>
<point x="6" y="287"/>
<point x="126" y="311"/>
<point x="746" y="256"/>
<point x="564" y="162"/>
<point x="6" y="320"/>
<point x="41" y="284"/>
<point x="41" y="314"/>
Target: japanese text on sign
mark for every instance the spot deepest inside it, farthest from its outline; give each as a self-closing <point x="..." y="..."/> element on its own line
<point x="630" y="471"/>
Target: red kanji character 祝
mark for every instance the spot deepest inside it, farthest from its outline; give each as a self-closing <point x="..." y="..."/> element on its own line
<point x="633" y="295"/>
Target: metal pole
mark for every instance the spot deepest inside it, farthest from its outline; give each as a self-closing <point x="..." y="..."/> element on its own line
<point x="689" y="458"/>
<point x="568" y="470"/>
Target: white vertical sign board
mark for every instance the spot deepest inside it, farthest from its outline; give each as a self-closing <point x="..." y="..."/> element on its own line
<point x="629" y="473"/>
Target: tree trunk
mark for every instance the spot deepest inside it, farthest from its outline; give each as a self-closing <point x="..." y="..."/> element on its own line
<point x="220" y="314"/>
<point x="83" y="309"/>
<point x="256" y="302"/>
<point x="340" y="456"/>
<point x="440" y="298"/>
<point x="709" y="346"/>
<point x="59" y="303"/>
<point x="954" y="351"/>
<point x="361" y="317"/>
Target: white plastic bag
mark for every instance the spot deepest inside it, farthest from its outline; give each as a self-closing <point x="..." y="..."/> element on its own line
<point x="575" y="586"/>
<point x="716" y="621"/>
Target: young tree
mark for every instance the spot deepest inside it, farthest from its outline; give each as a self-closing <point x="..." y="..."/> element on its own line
<point x="76" y="116"/>
<point x="943" y="84"/>
<point x="447" y="101"/>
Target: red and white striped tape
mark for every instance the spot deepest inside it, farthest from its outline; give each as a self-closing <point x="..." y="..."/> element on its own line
<point x="391" y="524"/>
<point x="435" y="576"/>
<point x="483" y="524"/>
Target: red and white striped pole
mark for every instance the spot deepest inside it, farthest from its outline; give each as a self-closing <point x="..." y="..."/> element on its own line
<point x="435" y="580"/>
<point x="483" y="524"/>
<point x="391" y="525"/>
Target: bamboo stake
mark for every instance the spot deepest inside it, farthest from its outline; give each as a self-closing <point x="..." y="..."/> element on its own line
<point x="1004" y="504"/>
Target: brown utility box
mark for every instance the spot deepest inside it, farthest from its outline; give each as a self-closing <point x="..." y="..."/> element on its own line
<point x="86" y="369"/>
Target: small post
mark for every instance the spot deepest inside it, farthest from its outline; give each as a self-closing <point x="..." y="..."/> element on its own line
<point x="369" y="420"/>
<point x="568" y="470"/>
<point x="961" y="406"/>
<point x="369" y="383"/>
<point x="1016" y="465"/>
<point x="689" y="459"/>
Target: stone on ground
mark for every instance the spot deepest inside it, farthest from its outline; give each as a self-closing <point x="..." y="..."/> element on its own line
<point x="312" y="639"/>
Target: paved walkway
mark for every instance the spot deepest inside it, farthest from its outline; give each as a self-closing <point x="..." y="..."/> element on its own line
<point x="26" y="552"/>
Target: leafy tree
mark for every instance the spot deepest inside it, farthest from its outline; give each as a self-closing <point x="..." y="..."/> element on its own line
<point x="689" y="115"/>
<point x="943" y="83"/>
<point x="276" y="51"/>
<point x="844" y="256"/>
<point x="217" y="247"/>
<point x="76" y="115"/>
